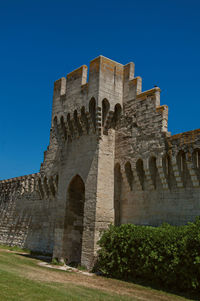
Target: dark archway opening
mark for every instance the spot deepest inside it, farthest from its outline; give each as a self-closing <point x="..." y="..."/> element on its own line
<point x="74" y="220"/>
<point x="105" y="110"/>
<point x="196" y="162"/>
<point x="117" y="115"/>
<point x="92" y="110"/>
<point x="168" y="171"/>
<point x="140" y="172"/>
<point x="117" y="194"/>
<point x="153" y="171"/>
<point x="181" y="161"/>
<point x="129" y="174"/>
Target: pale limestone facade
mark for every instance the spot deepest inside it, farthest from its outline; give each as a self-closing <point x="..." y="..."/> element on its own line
<point x="110" y="160"/>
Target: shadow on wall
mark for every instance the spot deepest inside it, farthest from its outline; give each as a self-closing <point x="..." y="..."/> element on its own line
<point x="73" y="225"/>
<point x="22" y="217"/>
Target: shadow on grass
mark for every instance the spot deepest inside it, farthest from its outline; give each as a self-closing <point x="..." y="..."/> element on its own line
<point x="35" y="255"/>
<point x="190" y="295"/>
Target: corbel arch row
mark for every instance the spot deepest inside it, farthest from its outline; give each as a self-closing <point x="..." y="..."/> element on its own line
<point x="86" y="120"/>
<point x="161" y="172"/>
<point x="110" y="118"/>
<point x="74" y="124"/>
<point x="47" y="186"/>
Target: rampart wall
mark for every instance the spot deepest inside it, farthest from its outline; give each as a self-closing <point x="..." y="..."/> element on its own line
<point x="110" y="159"/>
<point x="158" y="173"/>
<point x="27" y="213"/>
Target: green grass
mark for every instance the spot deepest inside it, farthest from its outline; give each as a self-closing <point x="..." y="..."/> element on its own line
<point x="14" y="248"/>
<point x="13" y="287"/>
<point x="21" y="278"/>
<point x="16" y="287"/>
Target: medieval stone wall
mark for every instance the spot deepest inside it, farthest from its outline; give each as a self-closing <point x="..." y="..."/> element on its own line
<point x="159" y="173"/>
<point x="110" y="159"/>
<point x="27" y="217"/>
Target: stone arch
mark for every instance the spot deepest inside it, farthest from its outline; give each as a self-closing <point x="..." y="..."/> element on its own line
<point x="62" y="124"/>
<point x="140" y="172"/>
<point x="181" y="160"/>
<point x="105" y="109"/>
<point x="117" y="114"/>
<point x="129" y="174"/>
<point x="84" y="119"/>
<point x="51" y="186"/>
<point x="75" y="115"/>
<point x="73" y="226"/>
<point x="117" y="194"/>
<point x="168" y="171"/>
<point x="196" y="161"/>
<point x="92" y="110"/>
<point x="69" y="123"/>
<point x="153" y="171"/>
<point x="182" y="167"/>
<point x="77" y="124"/>
<point x="83" y="111"/>
<point x="183" y="170"/>
<point x="166" y="165"/>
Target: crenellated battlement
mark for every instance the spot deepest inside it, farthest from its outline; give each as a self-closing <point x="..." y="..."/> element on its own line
<point x="107" y="80"/>
<point x="81" y="107"/>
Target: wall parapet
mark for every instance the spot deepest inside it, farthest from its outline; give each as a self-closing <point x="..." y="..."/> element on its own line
<point x="21" y="178"/>
<point x="186" y="137"/>
<point x="26" y="183"/>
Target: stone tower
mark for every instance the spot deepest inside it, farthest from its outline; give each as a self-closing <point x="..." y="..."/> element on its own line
<point x="110" y="160"/>
<point x="82" y="154"/>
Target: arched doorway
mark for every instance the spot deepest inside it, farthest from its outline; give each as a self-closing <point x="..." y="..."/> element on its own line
<point x="74" y="220"/>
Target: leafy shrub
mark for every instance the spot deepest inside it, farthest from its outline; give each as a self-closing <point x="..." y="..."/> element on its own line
<point x="166" y="255"/>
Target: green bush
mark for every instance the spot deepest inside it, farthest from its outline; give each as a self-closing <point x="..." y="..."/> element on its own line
<point x="167" y="255"/>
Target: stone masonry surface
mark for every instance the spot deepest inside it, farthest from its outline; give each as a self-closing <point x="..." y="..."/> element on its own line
<point x="110" y="159"/>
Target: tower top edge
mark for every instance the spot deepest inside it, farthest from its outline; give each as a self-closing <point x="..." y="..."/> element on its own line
<point x="106" y="58"/>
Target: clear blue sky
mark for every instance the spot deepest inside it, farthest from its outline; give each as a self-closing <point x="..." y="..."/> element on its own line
<point x="42" y="41"/>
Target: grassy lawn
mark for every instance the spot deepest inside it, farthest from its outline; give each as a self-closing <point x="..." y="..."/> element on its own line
<point x="13" y="287"/>
<point x="21" y="278"/>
